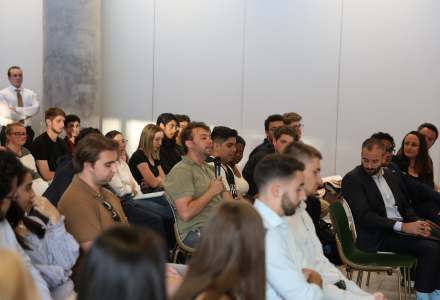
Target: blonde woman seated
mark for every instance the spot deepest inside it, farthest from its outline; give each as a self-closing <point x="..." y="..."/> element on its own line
<point x="145" y="166"/>
<point x="230" y="257"/>
<point x="15" y="139"/>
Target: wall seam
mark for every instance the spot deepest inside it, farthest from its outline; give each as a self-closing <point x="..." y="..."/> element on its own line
<point x="154" y="50"/>
<point x="242" y="72"/>
<point x="339" y="86"/>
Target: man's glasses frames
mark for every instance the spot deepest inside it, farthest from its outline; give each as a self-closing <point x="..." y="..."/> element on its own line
<point x="115" y="215"/>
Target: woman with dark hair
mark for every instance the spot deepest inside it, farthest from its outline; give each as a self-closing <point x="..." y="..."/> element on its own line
<point x="124" y="263"/>
<point x="230" y="257"/>
<point x="52" y="249"/>
<point x="242" y="184"/>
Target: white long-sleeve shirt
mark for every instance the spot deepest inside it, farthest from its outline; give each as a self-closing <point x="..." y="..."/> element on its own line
<point x="8" y="98"/>
<point x="121" y="181"/>
<point x="284" y="262"/>
<point x="8" y="240"/>
<point x="307" y="242"/>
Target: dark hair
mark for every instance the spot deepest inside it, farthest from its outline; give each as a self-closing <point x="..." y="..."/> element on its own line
<point x="272" y="118"/>
<point x="165" y="118"/>
<point x="181" y="118"/>
<point x="12" y="68"/>
<point x="10" y="167"/>
<point x="15" y="214"/>
<point x="384" y="136"/>
<point x="187" y="134"/>
<point x="275" y="167"/>
<point x="89" y="149"/>
<point x="423" y="163"/>
<point x="220" y="134"/>
<point x="429" y="126"/>
<point x="53" y="112"/>
<point x="240" y="140"/>
<point x="71" y="118"/>
<point x="371" y="142"/>
<point x="86" y="131"/>
<point x="287" y="130"/>
<point x="237" y="229"/>
<point x="124" y="263"/>
<point x="291" y="117"/>
<point x="112" y="134"/>
<point x="301" y="152"/>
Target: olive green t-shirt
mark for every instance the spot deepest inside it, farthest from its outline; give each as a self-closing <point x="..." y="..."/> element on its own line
<point x="188" y="178"/>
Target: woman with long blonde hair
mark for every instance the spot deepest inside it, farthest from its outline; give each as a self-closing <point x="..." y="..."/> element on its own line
<point x="230" y="257"/>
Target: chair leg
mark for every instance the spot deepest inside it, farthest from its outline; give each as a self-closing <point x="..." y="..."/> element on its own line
<point x="405" y="283"/>
<point x="399" y="280"/>
<point x="368" y="279"/>
<point x="409" y="284"/>
<point x="359" y="278"/>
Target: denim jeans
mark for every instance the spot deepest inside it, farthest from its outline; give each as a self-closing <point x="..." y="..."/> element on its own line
<point x="159" y="204"/>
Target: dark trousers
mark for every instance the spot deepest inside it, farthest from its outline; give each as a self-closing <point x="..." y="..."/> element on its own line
<point x="428" y="210"/>
<point x="427" y="253"/>
<point x="29" y="136"/>
<point x="162" y="224"/>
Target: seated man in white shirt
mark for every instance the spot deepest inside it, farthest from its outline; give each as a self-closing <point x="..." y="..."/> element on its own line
<point x="10" y="166"/>
<point x="17" y="104"/>
<point x="280" y="182"/>
<point x="306" y="240"/>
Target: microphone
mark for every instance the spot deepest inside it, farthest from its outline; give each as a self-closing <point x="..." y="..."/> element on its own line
<point x="217" y="164"/>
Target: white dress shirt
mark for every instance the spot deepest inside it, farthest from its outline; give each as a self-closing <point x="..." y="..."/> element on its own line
<point x="8" y="241"/>
<point x="284" y="263"/>
<point x="8" y="98"/>
<point x="121" y="181"/>
<point x="310" y="246"/>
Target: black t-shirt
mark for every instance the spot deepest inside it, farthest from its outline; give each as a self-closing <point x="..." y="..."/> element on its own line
<point x="43" y="148"/>
<point x="139" y="157"/>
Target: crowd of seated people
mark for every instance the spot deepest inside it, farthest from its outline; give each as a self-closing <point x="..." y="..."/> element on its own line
<point x="254" y="232"/>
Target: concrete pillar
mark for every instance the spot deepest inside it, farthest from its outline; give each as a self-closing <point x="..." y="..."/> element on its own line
<point x="71" y="58"/>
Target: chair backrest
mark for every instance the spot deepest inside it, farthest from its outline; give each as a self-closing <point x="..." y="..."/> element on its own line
<point x="342" y="228"/>
<point x="352" y="225"/>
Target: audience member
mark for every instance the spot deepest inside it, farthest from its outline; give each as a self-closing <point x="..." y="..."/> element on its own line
<point x="71" y="127"/>
<point x="191" y="186"/>
<point x="182" y="120"/>
<point x="52" y="250"/>
<point x="17" y="105"/>
<point x="237" y="230"/>
<point x="16" y="138"/>
<point x="169" y="154"/>
<point x="430" y="132"/>
<point x="413" y="159"/>
<point x="125" y="188"/>
<point x="241" y="183"/>
<point x="428" y="199"/>
<point x="10" y="167"/>
<point x="48" y="147"/>
<point x="379" y="208"/>
<point x="301" y="224"/>
<point x="280" y="180"/>
<point x="15" y="281"/>
<point x="281" y="136"/>
<point x="124" y="263"/>
<point x="145" y="164"/>
<point x="223" y="146"/>
<point x="294" y="120"/>
<point x="88" y="207"/>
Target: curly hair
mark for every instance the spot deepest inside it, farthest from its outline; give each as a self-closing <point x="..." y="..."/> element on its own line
<point x="10" y="167"/>
<point x="384" y="136"/>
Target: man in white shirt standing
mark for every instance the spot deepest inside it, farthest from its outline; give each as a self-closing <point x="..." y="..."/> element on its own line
<point x="10" y="166"/>
<point x="280" y="182"/>
<point x="17" y="104"/>
<point x="336" y="286"/>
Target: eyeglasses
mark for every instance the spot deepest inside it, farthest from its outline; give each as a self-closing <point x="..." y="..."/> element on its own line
<point x="391" y="151"/>
<point x="273" y="128"/>
<point x="18" y="134"/>
<point x="123" y="142"/>
<point x="115" y="215"/>
<point x="173" y="126"/>
<point x="72" y="126"/>
<point x="298" y="126"/>
<point x="13" y="198"/>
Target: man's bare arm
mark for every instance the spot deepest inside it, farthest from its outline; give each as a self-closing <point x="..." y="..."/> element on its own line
<point x="43" y="168"/>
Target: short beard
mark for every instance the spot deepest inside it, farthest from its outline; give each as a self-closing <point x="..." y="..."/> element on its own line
<point x="374" y="172"/>
<point x="287" y="205"/>
<point x="56" y="131"/>
<point x="99" y="182"/>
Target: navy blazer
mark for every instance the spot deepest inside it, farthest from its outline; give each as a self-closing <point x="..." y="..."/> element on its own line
<point x="410" y="186"/>
<point x="368" y="207"/>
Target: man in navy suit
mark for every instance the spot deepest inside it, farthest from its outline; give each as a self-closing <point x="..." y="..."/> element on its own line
<point x="408" y="186"/>
<point x="379" y="207"/>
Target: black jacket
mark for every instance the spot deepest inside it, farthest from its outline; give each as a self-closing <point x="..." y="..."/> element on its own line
<point x="256" y="155"/>
<point x="169" y="155"/>
<point x="368" y="207"/>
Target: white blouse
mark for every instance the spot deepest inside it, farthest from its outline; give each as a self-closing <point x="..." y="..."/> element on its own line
<point x="121" y="181"/>
<point x="241" y="183"/>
